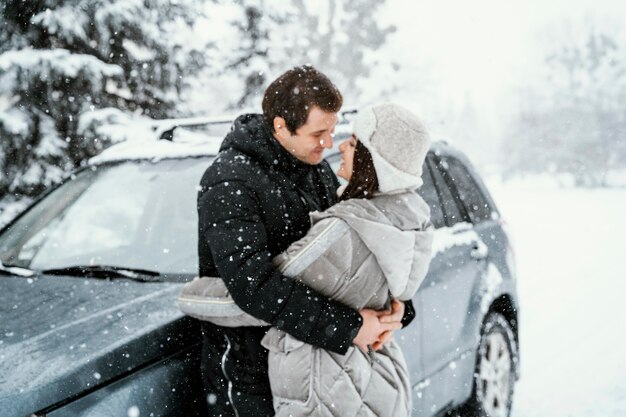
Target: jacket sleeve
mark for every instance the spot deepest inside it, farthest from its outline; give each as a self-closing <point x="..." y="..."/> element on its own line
<point x="409" y="313"/>
<point x="237" y="237"/>
<point x="323" y="252"/>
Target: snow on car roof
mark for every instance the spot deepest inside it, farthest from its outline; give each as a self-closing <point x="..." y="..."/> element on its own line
<point x="143" y="141"/>
<point x="185" y="144"/>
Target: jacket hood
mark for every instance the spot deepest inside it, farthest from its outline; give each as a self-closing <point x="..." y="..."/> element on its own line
<point x="396" y="228"/>
<point x="250" y="135"/>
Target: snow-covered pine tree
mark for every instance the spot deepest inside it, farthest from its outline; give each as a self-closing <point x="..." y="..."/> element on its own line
<point x="252" y="57"/>
<point x="339" y="37"/>
<point x="61" y="60"/>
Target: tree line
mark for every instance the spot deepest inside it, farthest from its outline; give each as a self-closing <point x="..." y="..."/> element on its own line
<point x="69" y="68"/>
<point x="573" y="122"/>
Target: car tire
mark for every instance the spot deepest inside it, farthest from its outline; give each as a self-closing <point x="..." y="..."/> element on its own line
<point x="496" y="370"/>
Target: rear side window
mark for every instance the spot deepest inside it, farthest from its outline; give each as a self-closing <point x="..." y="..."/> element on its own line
<point x="467" y="190"/>
<point x="429" y="193"/>
<point x="451" y="212"/>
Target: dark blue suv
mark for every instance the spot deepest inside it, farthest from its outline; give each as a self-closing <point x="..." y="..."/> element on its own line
<point x="90" y="273"/>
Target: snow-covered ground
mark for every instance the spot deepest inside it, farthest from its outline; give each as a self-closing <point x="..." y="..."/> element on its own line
<point x="571" y="255"/>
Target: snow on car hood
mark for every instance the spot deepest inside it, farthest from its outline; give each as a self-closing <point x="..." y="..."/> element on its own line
<point x="60" y="336"/>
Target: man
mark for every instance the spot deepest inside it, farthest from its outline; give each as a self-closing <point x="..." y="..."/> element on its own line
<point x="254" y="201"/>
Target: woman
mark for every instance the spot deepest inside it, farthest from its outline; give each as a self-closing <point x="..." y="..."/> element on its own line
<point x="372" y="247"/>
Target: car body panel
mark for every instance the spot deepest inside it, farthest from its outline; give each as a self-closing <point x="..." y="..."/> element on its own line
<point x="471" y="269"/>
<point x="446" y="295"/>
<point x="410" y="340"/>
<point x="167" y="388"/>
<point x="62" y="336"/>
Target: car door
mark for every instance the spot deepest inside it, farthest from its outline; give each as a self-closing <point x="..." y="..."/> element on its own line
<point x="411" y="337"/>
<point x="445" y="296"/>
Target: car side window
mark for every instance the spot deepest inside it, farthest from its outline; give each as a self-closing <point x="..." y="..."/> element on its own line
<point x="469" y="194"/>
<point x="429" y="193"/>
<point x="451" y="212"/>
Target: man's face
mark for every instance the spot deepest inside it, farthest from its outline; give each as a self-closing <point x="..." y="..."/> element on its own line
<point x="309" y="140"/>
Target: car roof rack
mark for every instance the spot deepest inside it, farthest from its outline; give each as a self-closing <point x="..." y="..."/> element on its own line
<point x="164" y="129"/>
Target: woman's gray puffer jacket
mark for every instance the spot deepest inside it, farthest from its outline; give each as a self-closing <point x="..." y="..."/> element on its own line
<point x="362" y="253"/>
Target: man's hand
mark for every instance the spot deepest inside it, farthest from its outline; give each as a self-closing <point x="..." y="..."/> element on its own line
<point x="372" y="329"/>
<point x="395" y="316"/>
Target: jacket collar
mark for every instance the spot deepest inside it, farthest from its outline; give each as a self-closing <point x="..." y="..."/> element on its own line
<point x="250" y="135"/>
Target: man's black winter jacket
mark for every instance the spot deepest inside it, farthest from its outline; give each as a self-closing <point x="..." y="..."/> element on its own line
<point x="253" y="203"/>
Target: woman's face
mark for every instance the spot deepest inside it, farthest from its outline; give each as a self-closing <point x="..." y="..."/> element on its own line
<point x="347" y="157"/>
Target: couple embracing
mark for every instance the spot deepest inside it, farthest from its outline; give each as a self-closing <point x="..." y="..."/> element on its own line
<point x="314" y="278"/>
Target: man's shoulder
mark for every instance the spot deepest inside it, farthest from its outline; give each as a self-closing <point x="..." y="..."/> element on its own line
<point x="231" y="165"/>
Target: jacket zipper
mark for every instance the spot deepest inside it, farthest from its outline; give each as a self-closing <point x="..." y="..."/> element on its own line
<point x="230" y="383"/>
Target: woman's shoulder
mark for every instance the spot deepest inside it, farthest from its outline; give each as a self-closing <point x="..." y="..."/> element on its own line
<point x="404" y="209"/>
<point x="343" y="208"/>
<point x="408" y="204"/>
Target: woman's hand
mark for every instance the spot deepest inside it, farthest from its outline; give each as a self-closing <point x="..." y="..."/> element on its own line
<point x="373" y="329"/>
<point x="393" y="316"/>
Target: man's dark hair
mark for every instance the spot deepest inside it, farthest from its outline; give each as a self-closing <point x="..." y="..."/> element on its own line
<point x="364" y="181"/>
<point x="293" y="95"/>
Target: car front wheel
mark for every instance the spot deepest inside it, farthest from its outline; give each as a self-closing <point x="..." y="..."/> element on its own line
<point x="495" y="374"/>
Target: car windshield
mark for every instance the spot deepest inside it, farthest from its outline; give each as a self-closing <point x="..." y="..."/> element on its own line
<point x="132" y="214"/>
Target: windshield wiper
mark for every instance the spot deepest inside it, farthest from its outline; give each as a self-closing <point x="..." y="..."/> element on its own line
<point x="16" y="270"/>
<point x="105" y="271"/>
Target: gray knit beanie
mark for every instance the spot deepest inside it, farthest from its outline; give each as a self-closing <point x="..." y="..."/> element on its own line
<point x="398" y="142"/>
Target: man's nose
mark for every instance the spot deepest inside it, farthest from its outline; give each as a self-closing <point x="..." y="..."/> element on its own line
<point x="327" y="141"/>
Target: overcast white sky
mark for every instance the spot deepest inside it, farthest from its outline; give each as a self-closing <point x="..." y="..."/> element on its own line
<point x="482" y="52"/>
<point x="485" y="46"/>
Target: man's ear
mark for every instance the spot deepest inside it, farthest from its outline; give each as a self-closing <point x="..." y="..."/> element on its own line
<point x="280" y="127"/>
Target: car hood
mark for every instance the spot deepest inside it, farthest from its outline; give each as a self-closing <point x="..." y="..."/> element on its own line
<point x="62" y="336"/>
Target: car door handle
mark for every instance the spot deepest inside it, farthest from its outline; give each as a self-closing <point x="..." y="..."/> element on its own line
<point x="479" y="251"/>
